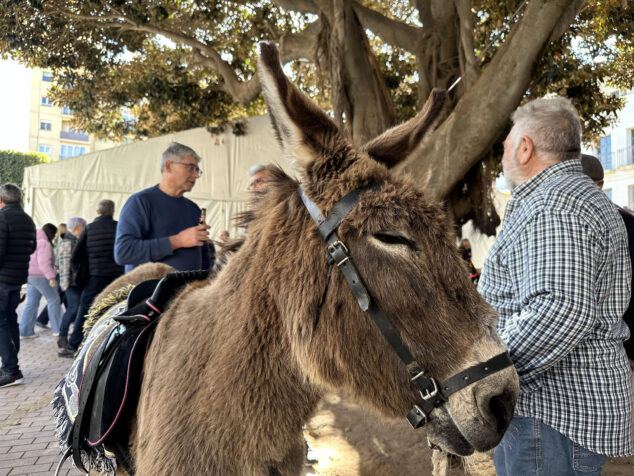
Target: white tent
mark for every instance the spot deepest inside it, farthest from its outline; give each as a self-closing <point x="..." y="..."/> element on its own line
<point x="72" y="187"/>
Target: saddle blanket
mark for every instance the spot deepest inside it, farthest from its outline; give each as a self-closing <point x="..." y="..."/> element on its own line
<point x="66" y="400"/>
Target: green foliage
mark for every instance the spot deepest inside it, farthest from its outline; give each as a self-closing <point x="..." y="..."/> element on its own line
<point x="12" y="164"/>
<point x="144" y="56"/>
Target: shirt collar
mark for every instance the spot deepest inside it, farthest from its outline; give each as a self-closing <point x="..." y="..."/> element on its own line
<point x="565" y="167"/>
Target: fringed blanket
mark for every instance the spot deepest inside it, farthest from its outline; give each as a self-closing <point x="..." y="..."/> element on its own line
<point x="65" y="403"/>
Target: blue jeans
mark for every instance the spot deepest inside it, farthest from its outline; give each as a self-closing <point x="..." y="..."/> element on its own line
<point x="9" y="332"/>
<point x="36" y="288"/>
<point x="72" y="294"/>
<point x="530" y="447"/>
<point x="94" y="286"/>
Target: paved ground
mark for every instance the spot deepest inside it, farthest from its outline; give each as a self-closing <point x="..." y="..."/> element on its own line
<point x="27" y="439"/>
<point x="338" y="432"/>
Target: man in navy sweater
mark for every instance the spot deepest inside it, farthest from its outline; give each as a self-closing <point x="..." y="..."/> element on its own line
<point x="158" y="224"/>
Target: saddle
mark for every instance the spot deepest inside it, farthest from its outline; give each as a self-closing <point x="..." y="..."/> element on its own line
<point x="111" y="382"/>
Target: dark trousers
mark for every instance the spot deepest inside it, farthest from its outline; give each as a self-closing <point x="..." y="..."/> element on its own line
<point x="9" y="330"/>
<point x="73" y="294"/>
<point x="93" y="287"/>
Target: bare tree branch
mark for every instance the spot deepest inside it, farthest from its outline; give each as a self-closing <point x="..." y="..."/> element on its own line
<point x="300" y="45"/>
<point x="471" y="67"/>
<point x="424" y="12"/>
<point x="566" y="19"/>
<point x="483" y="111"/>
<point x="303" y="6"/>
<point x="394" y="32"/>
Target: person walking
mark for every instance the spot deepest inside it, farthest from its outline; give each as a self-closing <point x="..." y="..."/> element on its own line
<point x="559" y="276"/>
<point x="42" y="319"/>
<point x="17" y="243"/>
<point x="159" y="224"/>
<point x="42" y="282"/>
<point x="94" y="250"/>
<point x="72" y="291"/>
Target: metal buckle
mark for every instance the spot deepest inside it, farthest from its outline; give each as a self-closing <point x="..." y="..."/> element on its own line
<point x="427" y="395"/>
<point x="332" y="248"/>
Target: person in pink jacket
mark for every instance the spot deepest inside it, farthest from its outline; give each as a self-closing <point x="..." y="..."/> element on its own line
<point x="41" y="282"/>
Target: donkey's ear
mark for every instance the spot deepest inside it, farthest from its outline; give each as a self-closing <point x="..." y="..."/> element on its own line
<point x="303" y="130"/>
<point x="395" y="145"/>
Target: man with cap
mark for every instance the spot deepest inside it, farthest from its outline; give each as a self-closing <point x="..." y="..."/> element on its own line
<point x="592" y="168"/>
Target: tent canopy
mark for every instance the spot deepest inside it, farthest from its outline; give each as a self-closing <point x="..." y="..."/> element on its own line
<point x="56" y="191"/>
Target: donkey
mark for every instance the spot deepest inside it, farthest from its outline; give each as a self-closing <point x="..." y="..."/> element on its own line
<point x="238" y="365"/>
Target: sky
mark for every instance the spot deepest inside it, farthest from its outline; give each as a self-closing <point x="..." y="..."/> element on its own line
<point x="15" y="85"/>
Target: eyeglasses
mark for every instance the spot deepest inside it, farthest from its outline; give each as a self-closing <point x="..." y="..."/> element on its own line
<point x="255" y="182"/>
<point x="193" y="169"/>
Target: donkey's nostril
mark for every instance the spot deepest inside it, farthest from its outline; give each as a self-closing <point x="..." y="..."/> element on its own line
<point x="501" y="408"/>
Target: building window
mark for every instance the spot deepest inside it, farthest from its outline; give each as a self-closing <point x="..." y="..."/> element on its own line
<point x="47" y="76"/>
<point x="45" y="126"/>
<point x="67" y="111"/>
<point x="46" y="101"/>
<point x="44" y="149"/>
<point x="605" y="152"/>
<point x="608" y="192"/>
<point x="71" y="151"/>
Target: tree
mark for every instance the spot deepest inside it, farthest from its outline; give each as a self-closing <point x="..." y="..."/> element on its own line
<point x="13" y="163"/>
<point x="183" y="63"/>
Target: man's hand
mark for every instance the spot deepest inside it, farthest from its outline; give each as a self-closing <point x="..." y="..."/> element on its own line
<point x="52" y="283"/>
<point x="193" y="236"/>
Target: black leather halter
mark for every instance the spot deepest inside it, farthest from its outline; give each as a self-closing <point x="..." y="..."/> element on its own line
<point x="432" y="393"/>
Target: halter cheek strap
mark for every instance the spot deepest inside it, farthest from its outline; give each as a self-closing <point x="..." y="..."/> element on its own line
<point x="432" y="393"/>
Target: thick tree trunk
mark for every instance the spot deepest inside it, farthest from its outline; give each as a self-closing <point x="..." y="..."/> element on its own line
<point x="483" y="112"/>
<point x="358" y="89"/>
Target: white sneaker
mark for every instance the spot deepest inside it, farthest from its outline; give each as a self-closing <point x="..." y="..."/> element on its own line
<point x="33" y="336"/>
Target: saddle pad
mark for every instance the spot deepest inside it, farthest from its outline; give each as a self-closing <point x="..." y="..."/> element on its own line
<point x="66" y="400"/>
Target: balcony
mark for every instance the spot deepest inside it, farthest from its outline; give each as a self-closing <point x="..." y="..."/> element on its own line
<point x="618" y="158"/>
<point x="75" y="136"/>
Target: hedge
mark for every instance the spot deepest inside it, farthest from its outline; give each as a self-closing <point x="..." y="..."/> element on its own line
<point x="12" y="164"/>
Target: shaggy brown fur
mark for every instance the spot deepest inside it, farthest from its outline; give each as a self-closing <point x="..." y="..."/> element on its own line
<point x="238" y="365"/>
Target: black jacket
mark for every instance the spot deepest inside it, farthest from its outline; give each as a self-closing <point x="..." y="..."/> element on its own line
<point x="17" y="243"/>
<point x="96" y="245"/>
<point x="628" y="317"/>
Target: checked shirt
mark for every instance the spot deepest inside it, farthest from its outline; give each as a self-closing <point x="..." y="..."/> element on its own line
<point x="559" y="275"/>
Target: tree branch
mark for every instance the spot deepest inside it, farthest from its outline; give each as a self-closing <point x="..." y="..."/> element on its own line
<point x="303" y="6"/>
<point x="471" y="68"/>
<point x="393" y="32"/>
<point x="300" y="45"/>
<point x="474" y="124"/>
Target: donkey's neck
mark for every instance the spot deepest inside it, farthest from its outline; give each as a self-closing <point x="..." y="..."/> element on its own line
<point x="267" y="378"/>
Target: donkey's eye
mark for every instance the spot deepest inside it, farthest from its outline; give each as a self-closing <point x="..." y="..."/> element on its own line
<point x="395" y="240"/>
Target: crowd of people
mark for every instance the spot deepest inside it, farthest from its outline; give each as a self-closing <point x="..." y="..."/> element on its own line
<point x="71" y="264"/>
<point x="559" y="275"/>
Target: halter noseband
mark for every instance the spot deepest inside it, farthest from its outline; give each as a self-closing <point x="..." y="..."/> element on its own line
<point x="432" y="393"/>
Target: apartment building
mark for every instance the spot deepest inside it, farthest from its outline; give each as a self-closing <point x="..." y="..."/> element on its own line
<point x="616" y="151"/>
<point x="50" y="130"/>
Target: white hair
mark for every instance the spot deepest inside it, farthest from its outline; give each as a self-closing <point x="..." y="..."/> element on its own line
<point x="552" y="124"/>
<point x="74" y="222"/>
<point x="255" y="169"/>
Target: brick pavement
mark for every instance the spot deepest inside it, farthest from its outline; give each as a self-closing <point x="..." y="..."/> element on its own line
<point x="27" y="437"/>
